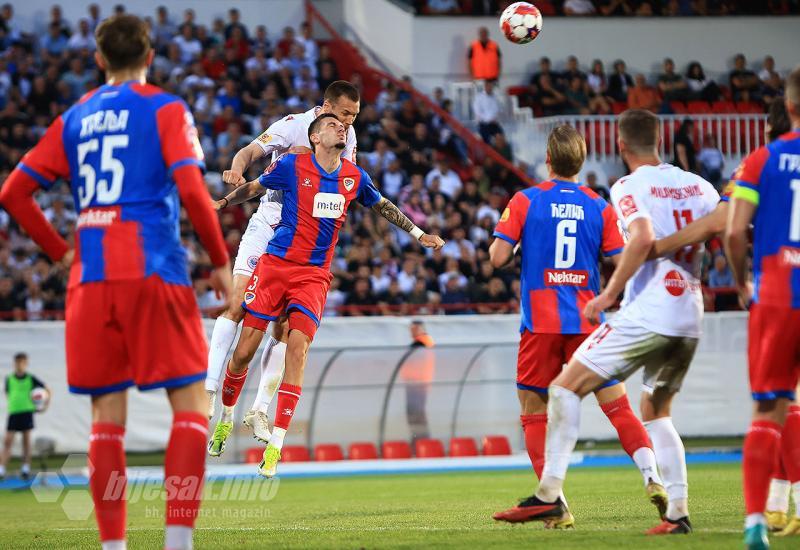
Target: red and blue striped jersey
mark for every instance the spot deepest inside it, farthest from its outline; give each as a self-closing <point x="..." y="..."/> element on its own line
<point x="562" y="227"/>
<point x="770" y="178"/>
<point x="119" y="146"/>
<point x="315" y="206"/>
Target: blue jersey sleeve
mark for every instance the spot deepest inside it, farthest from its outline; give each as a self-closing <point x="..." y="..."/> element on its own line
<point x="279" y="174"/>
<point x="368" y="194"/>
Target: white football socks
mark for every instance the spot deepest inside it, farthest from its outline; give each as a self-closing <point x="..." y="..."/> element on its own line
<point x="178" y="537"/>
<point x="222" y="338"/>
<point x="796" y="494"/>
<point x="563" y="424"/>
<point x="778" y="499"/>
<point x="273" y="362"/>
<point x="227" y="413"/>
<point x="277" y="436"/>
<point x="114" y="545"/>
<point x="645" y="460"/>
<point x="671" y="458"/>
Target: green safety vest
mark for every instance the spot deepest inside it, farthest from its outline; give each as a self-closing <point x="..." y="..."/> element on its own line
<point x="19" y="394"/>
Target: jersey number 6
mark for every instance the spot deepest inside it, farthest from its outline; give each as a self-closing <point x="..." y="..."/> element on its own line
<point x="565" y="243"/>
<point x="105" y="193"/>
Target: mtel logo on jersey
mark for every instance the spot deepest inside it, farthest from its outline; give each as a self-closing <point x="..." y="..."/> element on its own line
<point x="98" y="217"/>
<point x="328" y="205"/>
<point x="677" y="285"/>
<point x="565" y="277"/>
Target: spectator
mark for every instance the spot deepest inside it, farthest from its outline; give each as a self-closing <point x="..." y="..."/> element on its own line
<point x="545" y="69"/>
<point x="596" y="79"/>
<point x="643" y="96"/>
<point x="454" y="294"/>
<point x="551" y="99"/>
<point x="55" y="43"/>
<point x="163" y="30"/>
<point x="458" y="246"/>
<point x="494" y="298"/>
<point x="449" y="182"/>
<point x="711" y="161"/>
<point x="360" y="300"/>
<point x="572" y="71"/>
<point x="443" y="7"/>
<point x="579" y="7"/>
<point x="486" y="107"/>
<point x="286" y="42"/>
<point x="593" y="184"/>
<point x="234" y="23"/>
<point x="94" y="17"/>
<point x="237" y="42"/>
<point x="380" y="159"/>
<point x="700" y="86"/>
<point x="502" y="146"/>
<point x="614" y="8"/>
<point x="484" y="57"/>
<point x="672" y="85"/>
<point x="619" y="82"/>
<point x="768" y="72"/>
<point x="83" y="39"/>
<point x="720" y="277"/>
<point x="744" y="82"/>
<point x="577" y="98"/>
<point x="393" y="180"/>
<point x="336" y="298"/>
<point x="78" y="79"/>
<point x="308" y="43"/>
<point x="684" y="147"/>
<point x="190" y="47"/>
<point x="57" y="19"/>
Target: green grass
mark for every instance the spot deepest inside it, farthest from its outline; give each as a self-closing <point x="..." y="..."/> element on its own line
<point x="410" y="511"/>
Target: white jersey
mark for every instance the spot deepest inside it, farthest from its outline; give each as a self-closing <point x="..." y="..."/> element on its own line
<point x="282" y="135"/>
<point x="664" y="295"/>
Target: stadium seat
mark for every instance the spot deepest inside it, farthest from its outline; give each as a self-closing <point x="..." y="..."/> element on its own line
<point x="723" y="107"/>
<point x="517" y="90"/>
<point x="326" y="452"/>
<point x="395" y="449"/>
<point x="494" y="445"/>
<point x="618" y="107"/>
<point x="362" y="451"/>
<point x="749" y="107"/>
<point x="428" y="448"/>
<point x="698" y="107"/>
<point x="678" y="107"/>
<point x="294" y="453"/>
<point x="253" y="455"/>
<point x="463" y="446"/>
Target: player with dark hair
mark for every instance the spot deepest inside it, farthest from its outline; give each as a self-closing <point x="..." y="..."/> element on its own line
<point x="767" y="195"/>
<point x="293" y="276"/>
<point x="290" y="134"/>
<point x="562" y="227"/>
<point x="131" y="155"/>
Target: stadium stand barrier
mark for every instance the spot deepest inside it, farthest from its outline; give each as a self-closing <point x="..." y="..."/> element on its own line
<point x="360" y="386"/>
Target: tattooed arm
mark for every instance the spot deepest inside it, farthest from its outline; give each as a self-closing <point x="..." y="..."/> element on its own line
<point x="388" y="210"/>
<point x="240" y="194"/>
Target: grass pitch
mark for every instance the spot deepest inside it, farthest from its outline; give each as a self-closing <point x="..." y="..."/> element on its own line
<point x="410" y="511"/>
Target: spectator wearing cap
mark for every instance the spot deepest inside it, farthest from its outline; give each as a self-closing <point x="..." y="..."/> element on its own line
<point x="486" y="107"/>
<point x="485" y="58"/>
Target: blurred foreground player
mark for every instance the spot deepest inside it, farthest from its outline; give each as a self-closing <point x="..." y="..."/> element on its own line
<point x="293" y="276"/>
<point x="767" y="194"/>
<point x="131" y="154"/>
<point x="562" y="227"/>
<point x="657" y="328"/>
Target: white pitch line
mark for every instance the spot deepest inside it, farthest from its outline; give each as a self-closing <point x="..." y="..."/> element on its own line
<point x="382" y="529"/>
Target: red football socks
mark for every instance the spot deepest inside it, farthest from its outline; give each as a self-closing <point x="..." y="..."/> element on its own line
<point x="288" y="395"/>
<point x="790" y="445"/>
<point x="535" y="428"/>
<point x="184" y="467"/>
<point x="107" y="478"/>
<point x="761" y="446"/>
<point x="630" y="430"/>
<point x="232" y="386"/>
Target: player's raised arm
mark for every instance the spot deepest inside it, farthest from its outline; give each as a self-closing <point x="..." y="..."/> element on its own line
<point x="39" y="168"/>
<point x="241" y="194"/>
<point x="242" y="161"/>
<point x="389" y="210"/>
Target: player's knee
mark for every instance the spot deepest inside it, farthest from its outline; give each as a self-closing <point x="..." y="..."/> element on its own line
<point x="241" y="358"/>
<point x="235" y="312"/>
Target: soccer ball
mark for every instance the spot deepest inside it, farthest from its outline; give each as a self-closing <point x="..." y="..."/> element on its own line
<point x="40" y="398"/>
<point x="521" y="22"/>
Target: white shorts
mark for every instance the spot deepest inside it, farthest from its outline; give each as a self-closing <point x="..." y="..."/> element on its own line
<point x="253" y="245"/>
<point x="619" y="347"/>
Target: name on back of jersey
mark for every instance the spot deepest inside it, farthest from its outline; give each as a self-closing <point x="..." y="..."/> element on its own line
<point x="104" y="121"/>
<point x="789" y="163"/>
<point x="677" y="193"/>
<point x="566" y="211"/>
<point x="328" y="205"/>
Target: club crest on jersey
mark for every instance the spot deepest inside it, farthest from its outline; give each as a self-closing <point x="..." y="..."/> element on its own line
<point x="627" y="205"/>
<point x="348" y="183"/>
<point x="252" y="262"/>
<point x="249" y="297"/>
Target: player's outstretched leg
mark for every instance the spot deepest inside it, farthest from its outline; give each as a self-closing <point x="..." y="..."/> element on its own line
<point x="634" y="439"/>
<point x="790" y="457"/>
<point x="107" y="478"/>
<point x="235" y="376"/>
<point x="300" y="334"/>
<point x="272" y="368"/>
<point x="184" y="464"/>
<point x="222" y="338"/>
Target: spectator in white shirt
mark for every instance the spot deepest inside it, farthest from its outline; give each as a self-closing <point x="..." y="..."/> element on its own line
<point x="309" y="44"/>
<point x="449" y="182"/>
<point x="711" y="161"/>
<point x="393" y="180"/>
<point x="486" y="107"/>
<point x="407" y="277"/>
<point x="458" y="247"/>
<point x="190" y="46"/>
<point x="83" y="39"/>
<point x="380" y="159"/>
<point x="579" y="7"/>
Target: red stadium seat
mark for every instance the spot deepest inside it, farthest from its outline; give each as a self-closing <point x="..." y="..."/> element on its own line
<point x="723" y="107"/>
<point x="463" y="446"/>
<point x="295" y="453"/>
<point x="428" y="448"/>
<point x="253" y="455"/>
<point x="494" y="445"/>
<point x="749" y="107"/>
<point x="618" y="107"/>
<point x="678" y="107"/>
<point x="326" y="452"/>
<point x="546" y="8"/>
<point x="395" y="449"/>
<point x="517" y="90"/>
<point x="362" y="451"/>
<point x="698" y="107"/>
